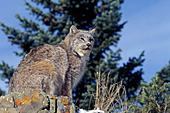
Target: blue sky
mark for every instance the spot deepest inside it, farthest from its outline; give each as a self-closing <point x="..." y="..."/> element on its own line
<point x="148" y="29"/>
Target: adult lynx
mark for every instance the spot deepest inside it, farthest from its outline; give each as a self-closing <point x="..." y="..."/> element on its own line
<point x="55" y="69"/>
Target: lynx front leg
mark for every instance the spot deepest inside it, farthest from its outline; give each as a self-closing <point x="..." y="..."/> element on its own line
<point x="67" y="89"/>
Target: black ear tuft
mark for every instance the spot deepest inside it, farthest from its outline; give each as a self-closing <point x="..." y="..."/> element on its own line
<point x="73" y="29"/>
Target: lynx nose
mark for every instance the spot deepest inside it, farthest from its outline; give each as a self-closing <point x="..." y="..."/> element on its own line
<point x="88" y="44"/>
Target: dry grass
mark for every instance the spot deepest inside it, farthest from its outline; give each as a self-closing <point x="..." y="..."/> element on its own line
<point x="108" y="96"/>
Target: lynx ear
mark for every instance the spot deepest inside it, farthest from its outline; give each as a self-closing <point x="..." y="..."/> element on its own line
<point x="73" y="29"/>
<point x="92" y="31"/>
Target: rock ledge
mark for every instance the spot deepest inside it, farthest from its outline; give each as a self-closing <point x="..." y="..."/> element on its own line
<point x="35" y="101"/>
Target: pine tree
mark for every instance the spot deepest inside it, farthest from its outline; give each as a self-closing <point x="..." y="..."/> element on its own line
<point x="2" y="92"/>
<point x="6" y="74"/>
<point x="51" y="24"/>
<point x="164" y="74"/>
<point x="154" y="97"/>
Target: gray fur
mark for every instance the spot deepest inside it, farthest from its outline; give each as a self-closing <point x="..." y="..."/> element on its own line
<point x="55" y="69"/>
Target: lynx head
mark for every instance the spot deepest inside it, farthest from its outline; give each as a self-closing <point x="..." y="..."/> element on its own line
<point x="80" y="42"/>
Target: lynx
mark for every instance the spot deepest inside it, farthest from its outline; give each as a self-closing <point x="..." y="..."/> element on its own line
<point x="55" y="69"/>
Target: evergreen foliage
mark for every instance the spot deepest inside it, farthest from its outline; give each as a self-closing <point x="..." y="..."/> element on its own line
<point x="164" y="74"/>
<point x="2" y="92"/>
<point x="7" y="71"/>
<point x="51" y="24"/>
<point x="154" y="97"/>
<point x="131" y="78"/>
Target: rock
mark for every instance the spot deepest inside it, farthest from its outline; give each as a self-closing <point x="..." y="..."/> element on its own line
<point x="35" y="101"/>
<point x="64" y="105"/>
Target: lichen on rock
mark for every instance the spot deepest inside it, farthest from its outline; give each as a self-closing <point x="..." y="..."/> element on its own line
<point x="35" y="101"/>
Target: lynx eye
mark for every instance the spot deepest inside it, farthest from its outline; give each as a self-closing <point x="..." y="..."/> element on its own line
<point x="82" y="39"/>
<point x="91" y="40"/>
